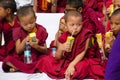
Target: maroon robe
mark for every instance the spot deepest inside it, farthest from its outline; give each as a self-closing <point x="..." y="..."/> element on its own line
<point x="9" y="46"/>
<point x="39" y="7"/>
<point x="92" y="18"/>
<point x="88" y="67"/>
<point x="18" y="60"/>
<point x="91" y="21"/>
<point x="61" y="6"/>
<point x="91" y="3"/>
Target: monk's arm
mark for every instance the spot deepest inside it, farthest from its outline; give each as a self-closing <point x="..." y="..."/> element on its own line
<point x="20" y="46"/>
<point x="80" y="56"/>
<point x="35" y="5"/>
<point x="59" y="52"/>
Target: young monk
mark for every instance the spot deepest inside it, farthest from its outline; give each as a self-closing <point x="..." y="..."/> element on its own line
<point x="113" y="65"/>
<point x="27" y="20"/>
<point x="81" y="61"/>
<point x="8" y="21"/>
<point x="61" y="30"/>
<point x="89" y="21"/>
<point x="110" y="40"/>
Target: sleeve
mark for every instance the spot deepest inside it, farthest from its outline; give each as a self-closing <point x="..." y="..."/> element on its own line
<point x="42" y="35"/>
<point x="62" y="38"/>
<point x="94" y="19"/>
<point x="16" y="33"/>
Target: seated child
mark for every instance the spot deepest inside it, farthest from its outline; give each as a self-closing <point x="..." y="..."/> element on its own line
<point x="76" y="61"/>
<point x="27" y="20"/>
<point x="8" y="22"/>
<point x="110" y="40"/>
<point x="62" y="29"/>
<point x="113" y="66"/>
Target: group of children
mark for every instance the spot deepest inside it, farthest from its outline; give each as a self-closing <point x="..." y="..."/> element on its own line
<point x="44" y="6"/>
<point x="79" y="59"/>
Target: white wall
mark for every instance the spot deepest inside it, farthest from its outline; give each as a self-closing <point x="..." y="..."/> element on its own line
<point x="51" y="22"/>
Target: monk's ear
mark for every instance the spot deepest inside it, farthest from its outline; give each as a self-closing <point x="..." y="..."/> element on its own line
<point x="79" y="9"/>
<point x="8" y="10"/>
<point x="35" y="18"/>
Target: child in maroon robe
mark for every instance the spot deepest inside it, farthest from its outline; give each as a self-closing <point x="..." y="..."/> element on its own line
<point x="113" y="65"/>
<point x="27" y="21"/>
<point x="83" y="60"/>
<point x="62" y="29"/>
<point x="8" y="21"/>
<point x="116" y="4"/>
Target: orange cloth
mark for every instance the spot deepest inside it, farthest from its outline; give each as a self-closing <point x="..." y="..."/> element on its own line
<point x="44" y="5"/>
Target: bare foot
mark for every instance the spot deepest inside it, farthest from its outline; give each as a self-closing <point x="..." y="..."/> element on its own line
<point x="12" y="70"/>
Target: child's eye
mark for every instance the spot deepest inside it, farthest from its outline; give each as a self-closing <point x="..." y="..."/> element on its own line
<point x="31" y="22"/>
<point x="24" y="24"/>
<point x="117" y="23"/>
<point x="119" y="6"/>
<point x="71" y="24"/>
<point x="79" y="25"/>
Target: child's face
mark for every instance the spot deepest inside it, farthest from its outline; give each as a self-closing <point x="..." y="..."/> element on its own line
<point x="115" y="24"/>
<point x="116" y="4"/>
<point x="62" y="25"/>
<point x="3" y="12"/>
<point x="74" y="25"/>
<point x="28" y="22"/>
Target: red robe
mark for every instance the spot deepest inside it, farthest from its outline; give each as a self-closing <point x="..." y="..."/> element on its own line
<point x="91" y="3"/>
<point x="92" y="18"/>
<point x="18" y="60"/>
<point x="9" y="46"/>
<point x="90" y="66"/>
<point x="43" y="7"/>
<point x="61" y="6"/>
<point x="91" y="21"/>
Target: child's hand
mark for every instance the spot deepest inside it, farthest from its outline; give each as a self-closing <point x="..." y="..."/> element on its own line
<point x="33" y="44"/>
<point x="65" y="47"/>
<point x="27" y="39"/>
<point x="104" y="10"/>
<point x="58" y="34"/>
<point x="107" y="49"/>
<point x="69" y="72"/>
<point x="110" y="40"/>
